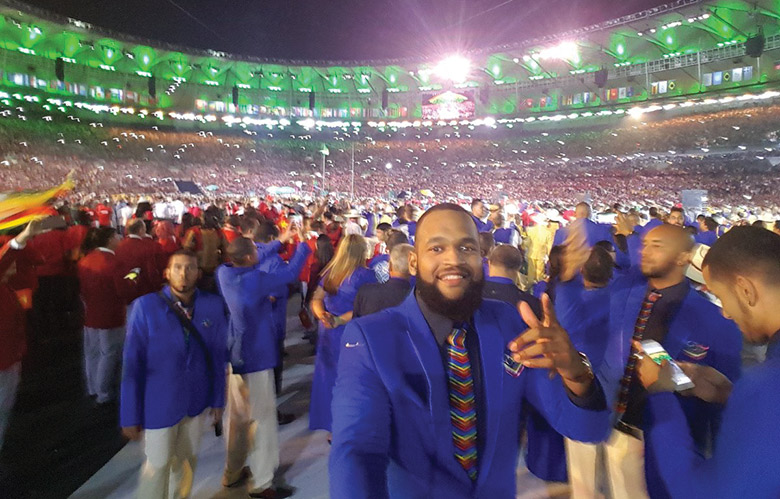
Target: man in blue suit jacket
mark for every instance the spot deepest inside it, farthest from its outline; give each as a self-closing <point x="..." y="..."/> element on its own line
<point x="171" y="378"/>
<point x="685" y="323"/>
<point x="254" y="355"/>
<point x="392" y="422"/>
<point x="595" y="232"/>
<point x="743" y="270"/>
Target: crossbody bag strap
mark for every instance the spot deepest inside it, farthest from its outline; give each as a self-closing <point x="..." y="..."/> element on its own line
<point x="189" y="328"/>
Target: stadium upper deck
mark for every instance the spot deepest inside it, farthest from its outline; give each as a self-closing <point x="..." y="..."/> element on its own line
<point x="684" y="49"/>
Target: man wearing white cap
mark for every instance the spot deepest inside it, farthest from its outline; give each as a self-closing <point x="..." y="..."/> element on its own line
<point x="352" y="226"/>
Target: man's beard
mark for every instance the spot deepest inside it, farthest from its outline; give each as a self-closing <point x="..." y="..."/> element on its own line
<point x="657" y="272"/>
<point x="457" y="310"/>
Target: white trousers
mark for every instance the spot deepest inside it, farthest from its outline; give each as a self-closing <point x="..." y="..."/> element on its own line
<point x="171" y="458"/>
<point x="9" y="382"/>
<point x="625" y="457"/>
<point x="585" y="465"/>
<point x="102" y="361"/>
<point x="253" y="433"/>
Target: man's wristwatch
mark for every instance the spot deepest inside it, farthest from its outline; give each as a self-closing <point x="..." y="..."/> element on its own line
<point x="588" y="374"/>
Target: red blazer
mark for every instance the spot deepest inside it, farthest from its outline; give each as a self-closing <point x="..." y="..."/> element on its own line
<point x="104" y="290"/>
<point x="12" y="341"/>
<point x="311" y="260"/>
<point x="104" y="215"/>
<point x="334" y="230"/>
<point x="26" y="262"/>
<point x="145" y="254"/>
<point x="55" y="249"/>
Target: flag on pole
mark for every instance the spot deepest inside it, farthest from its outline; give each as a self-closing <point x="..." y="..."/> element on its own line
<point x="324" y="151"/>
<point x="17" y="209"/>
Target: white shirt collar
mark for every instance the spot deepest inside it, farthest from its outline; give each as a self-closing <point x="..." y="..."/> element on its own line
<point x="106" y="250"/>
<point x="133" y="236"/>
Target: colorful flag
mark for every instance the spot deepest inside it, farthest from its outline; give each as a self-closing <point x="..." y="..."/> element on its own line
<point x="17" y="209"/>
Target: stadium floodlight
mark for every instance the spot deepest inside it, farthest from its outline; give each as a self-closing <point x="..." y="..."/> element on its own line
<point x="566" y="51"/>
<point x="454" y="68"/>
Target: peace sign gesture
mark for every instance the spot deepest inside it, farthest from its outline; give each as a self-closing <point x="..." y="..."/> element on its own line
<point x="545" y="344"/>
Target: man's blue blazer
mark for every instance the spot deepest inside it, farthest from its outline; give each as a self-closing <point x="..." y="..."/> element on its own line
<point x="392" y="435"/>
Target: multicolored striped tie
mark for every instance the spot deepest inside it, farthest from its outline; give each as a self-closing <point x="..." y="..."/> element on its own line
<point x="639" y="332"/>
<point x="463" y="413"/>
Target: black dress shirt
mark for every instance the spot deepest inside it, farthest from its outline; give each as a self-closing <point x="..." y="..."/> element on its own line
<point x="374" y="297"/>
<point x="664" y="311"/>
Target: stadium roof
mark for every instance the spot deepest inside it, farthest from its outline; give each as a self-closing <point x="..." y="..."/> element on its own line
<point x="674" y="29"/>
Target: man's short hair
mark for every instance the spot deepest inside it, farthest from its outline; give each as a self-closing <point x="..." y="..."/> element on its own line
<point x="445" y="207"/>
<point x="182" y="252"/>
<point x="486" y="242"/>
<point x="474" y="202"/>
<point x="394" y="238"/>
<point x="710" y="223"/>
<point x="240" y="249"/>
<point x="399" y="258"/>
<point x="267" y="231"/>
<point x="384" y="226"/>
<point x="745" y="251"/>
<point x="599" y="267"/>
<point x="135" y="226"/>
<point x="248" y="224"/>
<point x="507" y="257"/>
<point x="653" y="211"/>
<point x="677" y="209"/>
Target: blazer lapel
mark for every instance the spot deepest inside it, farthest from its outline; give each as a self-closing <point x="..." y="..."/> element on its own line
<point x="491" y="350"/>
<point x="633" y="306"/>
<point x="681" y="326"/>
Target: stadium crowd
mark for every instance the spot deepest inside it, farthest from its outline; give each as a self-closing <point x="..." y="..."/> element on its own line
<point x="729" y="153"/>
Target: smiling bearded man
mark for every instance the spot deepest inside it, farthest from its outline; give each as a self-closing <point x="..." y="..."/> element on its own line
<point x="427" y="402"/>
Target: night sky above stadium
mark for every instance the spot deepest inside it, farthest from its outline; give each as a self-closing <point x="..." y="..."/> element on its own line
<point x="342" y="29"/>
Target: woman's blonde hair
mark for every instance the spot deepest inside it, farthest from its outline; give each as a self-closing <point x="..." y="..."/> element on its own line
<point x="351" y="253"/>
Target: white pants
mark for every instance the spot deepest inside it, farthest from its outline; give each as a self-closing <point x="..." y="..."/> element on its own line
<point x="625" y="456"/>
<point x="585" y="465"/>
<point x="171" y="458"/>
<point x="253" y="433"/>
<point x="102" y="361"/>
<point x="9" y="382"/>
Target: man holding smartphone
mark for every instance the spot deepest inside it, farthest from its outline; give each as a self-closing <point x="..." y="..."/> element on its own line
<point x="743" y="270"/>
<point x="654" y="301"/>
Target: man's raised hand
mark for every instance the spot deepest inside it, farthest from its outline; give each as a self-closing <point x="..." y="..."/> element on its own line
<point x="545" y="344"/>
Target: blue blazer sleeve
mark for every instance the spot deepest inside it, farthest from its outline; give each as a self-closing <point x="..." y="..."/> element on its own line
<point x="133" y="387"/>
<point x="219" y="354"/>
<point x="361" y="423"/>
<point x="550" y="398"/>
<point x="269" y="249"/>
<point x="746" y="451"/>
<point x="267" y="282"/>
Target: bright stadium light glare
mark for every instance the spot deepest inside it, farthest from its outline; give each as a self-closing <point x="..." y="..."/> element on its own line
<point x="566" y="51"/>
<point x="454" y="68"/>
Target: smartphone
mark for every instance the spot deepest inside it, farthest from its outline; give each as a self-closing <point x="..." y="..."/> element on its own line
<point x="656" y="352"/>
